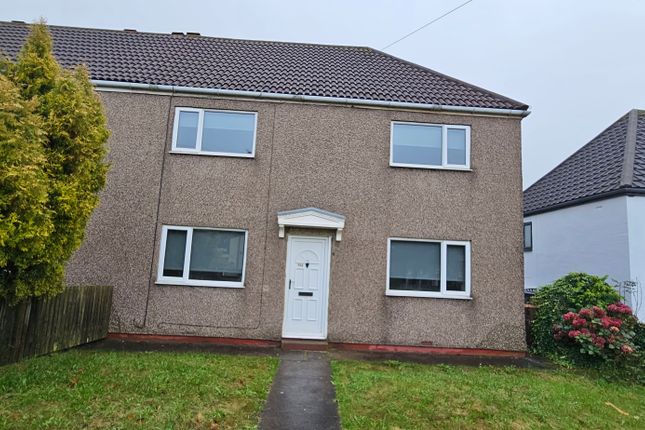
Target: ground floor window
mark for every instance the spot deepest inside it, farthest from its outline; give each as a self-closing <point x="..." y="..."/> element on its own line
<point x="428" y="268"/>
<point x="202" y="257"/>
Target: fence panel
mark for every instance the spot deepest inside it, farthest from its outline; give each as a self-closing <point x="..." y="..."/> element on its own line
<point x="78" y="315"/>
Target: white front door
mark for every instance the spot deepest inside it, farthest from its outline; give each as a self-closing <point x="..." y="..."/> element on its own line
<point x="306" y="287"/>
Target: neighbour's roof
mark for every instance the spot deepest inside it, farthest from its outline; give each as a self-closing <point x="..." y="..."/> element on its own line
<point x="613" y="163"/>
<point x="190" y="60"/>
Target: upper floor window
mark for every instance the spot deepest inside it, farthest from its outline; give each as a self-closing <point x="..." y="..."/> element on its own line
<point x="430" y="146"/>
<point x="202" y="257"/>
<point x="428" y="268"/>
<point x="214" y="132"/>
<point x="528" y="236"/>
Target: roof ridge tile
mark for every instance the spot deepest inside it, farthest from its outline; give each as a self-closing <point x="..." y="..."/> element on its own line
<point x="630" y="149"/>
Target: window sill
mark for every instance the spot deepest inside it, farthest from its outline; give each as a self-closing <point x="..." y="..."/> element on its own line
<point x="212" y="284"/>
<point x="212" y="154"/>
<point x="423" y="166"/>
<point x="426" y="295"/>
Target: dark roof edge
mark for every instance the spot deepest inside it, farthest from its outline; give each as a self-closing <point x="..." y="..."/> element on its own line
<point x="625" y="191"/>
<point x="521" y="105"/>
<point x="630" y="149"/>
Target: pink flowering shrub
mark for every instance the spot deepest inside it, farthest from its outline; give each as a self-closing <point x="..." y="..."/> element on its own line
<point x="595" y="333"/>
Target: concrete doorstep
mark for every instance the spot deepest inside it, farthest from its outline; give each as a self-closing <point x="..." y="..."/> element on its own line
<point x="302" y="395"/>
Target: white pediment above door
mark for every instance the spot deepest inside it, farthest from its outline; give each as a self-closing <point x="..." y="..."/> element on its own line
<point x="311" y="218"/>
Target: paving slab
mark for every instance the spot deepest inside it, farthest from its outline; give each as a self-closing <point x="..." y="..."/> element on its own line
<point x="302" y="395"/>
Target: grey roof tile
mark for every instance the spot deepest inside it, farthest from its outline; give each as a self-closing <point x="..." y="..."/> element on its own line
<point x="597" y="169"/>
<point x="248" y="65"/>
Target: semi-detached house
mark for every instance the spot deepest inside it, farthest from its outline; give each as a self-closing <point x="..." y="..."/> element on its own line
<point x="267" y="190"/>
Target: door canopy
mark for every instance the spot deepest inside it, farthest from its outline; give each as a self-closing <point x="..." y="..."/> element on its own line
<point x="311" y="218"/>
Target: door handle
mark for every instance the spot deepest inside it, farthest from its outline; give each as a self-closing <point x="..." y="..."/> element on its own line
<point x="289" y="283"/>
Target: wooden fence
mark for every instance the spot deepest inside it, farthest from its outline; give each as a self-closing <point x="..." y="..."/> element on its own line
<point x="529" y="316"/>
<point x="78" y="315"/>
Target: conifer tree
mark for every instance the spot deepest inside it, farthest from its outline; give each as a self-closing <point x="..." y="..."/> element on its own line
<point x="57" y="119"/>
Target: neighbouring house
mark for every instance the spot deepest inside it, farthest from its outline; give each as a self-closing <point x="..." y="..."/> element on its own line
<point x="588" y="213"/>
<point x="269" y="190"/>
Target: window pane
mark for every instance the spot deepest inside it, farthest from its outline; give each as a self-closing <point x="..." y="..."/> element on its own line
<point x="457" y="146"/>
<point x="415" y="266"/>
<point x="173" y="263"/>
<point x="456" y="268"/>
<point x="187" y="130"/>
<point x="416" y="144"/>
<point x="217" y="255"/>
<point x="528" y="237"/>
<point x="228" y="132"/>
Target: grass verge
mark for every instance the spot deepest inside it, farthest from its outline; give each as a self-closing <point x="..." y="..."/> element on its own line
<point x="127" y="390"/>
<point x="394" y="395"/>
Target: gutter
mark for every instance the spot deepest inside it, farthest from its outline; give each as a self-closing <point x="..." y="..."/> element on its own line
<point x="172" y="89"/>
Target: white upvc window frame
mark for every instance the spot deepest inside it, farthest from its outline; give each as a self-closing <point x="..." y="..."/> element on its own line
<point x="200" y="129"/>
<point x="444" y="293"/>
<point x="529" y="248"/>
<point x="444" y="147"/>
<point x="185" y="280"/>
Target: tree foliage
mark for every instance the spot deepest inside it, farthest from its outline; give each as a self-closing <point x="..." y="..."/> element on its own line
<point x="569" y="293"/>
<point x="53" y="137"/>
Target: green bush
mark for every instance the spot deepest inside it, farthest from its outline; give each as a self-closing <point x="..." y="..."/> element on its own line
<point x="569" y="293"/>
<point x="639" y="336"/>
<point x="603" y="340"/>
<point x="52" y="147"/>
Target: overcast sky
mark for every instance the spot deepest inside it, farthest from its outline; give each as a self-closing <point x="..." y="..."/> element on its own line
<point x="579" y="64"/>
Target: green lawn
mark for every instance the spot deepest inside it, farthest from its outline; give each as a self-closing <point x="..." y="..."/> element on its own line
<point x="123" y="390"/>
<point x="393" y="395"/>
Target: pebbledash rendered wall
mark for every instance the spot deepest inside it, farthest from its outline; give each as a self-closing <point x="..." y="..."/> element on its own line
<point x="327" y="156"/>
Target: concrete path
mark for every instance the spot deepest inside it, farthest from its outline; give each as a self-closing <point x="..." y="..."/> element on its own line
<point x="302" y="396"/>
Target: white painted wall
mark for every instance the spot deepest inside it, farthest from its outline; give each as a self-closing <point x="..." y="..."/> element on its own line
<point x="605" y="237"/>
<point x="589" y="238"/>
<point x="636" y="225"/>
